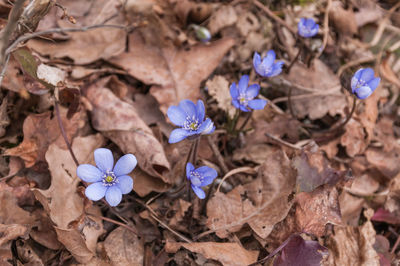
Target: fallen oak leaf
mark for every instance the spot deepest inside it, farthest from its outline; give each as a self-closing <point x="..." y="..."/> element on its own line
<point x="227" y="253"/>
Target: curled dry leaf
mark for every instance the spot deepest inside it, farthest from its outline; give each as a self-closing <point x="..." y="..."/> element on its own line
<point x="176" y="73"/>
<point x="49" y="74"/>
<point x="227" y="253"/>
<point x="119" y="121"/>
<point x="352" y="246"/>
<point x="385" y="162"/>
<point x="11" y="231"/>
<point x="85" y="47"/>
<point x="223" y="17"/>
<point x="124" y="248"/>
<point x="62" y="202"/>
<point x="325" y="97"/>
<point x="40" y="131"/>
<point x="313" y="170"/>
<point x="218" y="88"/>
<point x="298" y="251"/>
<point x="268" y="201"/>
<point x="316" y="209"/>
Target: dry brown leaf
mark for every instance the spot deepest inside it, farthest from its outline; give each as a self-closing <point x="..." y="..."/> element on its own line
<point x="124" y="248"/>
<point x="386" y="162"/>
<point x="227" y="253"/>
<point x="268" y="202"/>
<point x="354" y="139"/>
<point x="145" y="183"/>
<point x="180" y="207"/>
<point x="177" y="74"/>
<point x="386" y="71"/>
<point x="85" y="47"/>
<point x="316" y="209"/>
<point x="4" y="119"/>
<point x="10" y="212"/>
<point x="223" y="17"/>
<point x="62" y="202"/>
<point x="40" y="131"/>
<point x="11" y="231"/>
<point x="343" y="20"/>
<point x="120" y="122"/>
<point x="352" y="246"/>
<point x="218" y="88"/>
<point x="350" y="208"/>
<point x="320" y="79"/>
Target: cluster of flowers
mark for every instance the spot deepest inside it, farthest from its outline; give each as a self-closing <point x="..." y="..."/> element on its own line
<point x="111" y="181"/>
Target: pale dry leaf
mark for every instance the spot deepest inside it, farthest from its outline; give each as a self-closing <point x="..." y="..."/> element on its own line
<point x="227" y="253"/>
<point x="10" y="212"/>
<point x="175" y="73"/>
<point x="385" y="162"/>
<point x="354" y="139"/>
<point x="316" y="209"/>
<point x="268" y="204"/>
<point x="364" y="185"/>
<point x="145" y="183"/>
<point x="124" y="248"/>
<point x="218" y="88"/>
<point x="89" y="46"/>
<point x="352" y="246"/>
<point x="119" y="121"/>
<point x="386" y="71"/>
<point x="49" y="74"/>
<point x="12" y="231"/>
<point x="62" y="202"/>
<point x="223" y="17"/>
<point x="350" y="208"/>
<point x="320" y="79"/>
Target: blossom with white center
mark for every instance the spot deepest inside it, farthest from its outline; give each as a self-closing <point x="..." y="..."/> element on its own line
<point x="307" y="27"/>
<point x="243" y="95"/>
<point x="108" y="180"/>
<point x="200" y="177"/>
<point x="266" y="66"/>
<point x="363" y="83"/>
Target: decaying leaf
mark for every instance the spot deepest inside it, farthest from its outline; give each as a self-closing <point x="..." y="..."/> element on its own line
<point x="124" y="248"/>
<point x="120" y="122"/>
<point x="218" y="88"/>
<point x="226" y="253"/>
<point x="298" y="251"/>
<point x="177" y="74"/>
<point x="268" y="201"/>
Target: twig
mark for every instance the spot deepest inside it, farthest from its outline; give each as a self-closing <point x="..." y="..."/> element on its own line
<point x="60" y="125"/>
<point x="244" y="169"/>
<point x="326" y="29"/>
<point x="12" y="24"/>
<point x="354" y="63"/>
<point x="396" y="244"/>
<point x="294" y="60"/>
<point x="382" y="25"/>
<point x="273" y="16"/>
<point x="282" y="142"/>
<point x="218" y="155"/>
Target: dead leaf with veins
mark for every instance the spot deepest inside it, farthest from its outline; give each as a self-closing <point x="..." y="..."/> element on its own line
<point x="218" y="88"/>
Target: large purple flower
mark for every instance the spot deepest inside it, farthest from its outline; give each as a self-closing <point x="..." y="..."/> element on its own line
<point x="243" y="95"/>
<point x="190" y="118"/>
<point x="363" y="83"/>
<point x="108" y="180"/>
<point x="200" y="177"/>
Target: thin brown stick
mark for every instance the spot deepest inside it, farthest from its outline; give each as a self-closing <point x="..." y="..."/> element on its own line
<point x="60" y="125"/>
<point x="294" y="60"/>
<point x="326" y="29"/>
<point x="273" y="16"/>
<point x="282" y="142"/>
<point x="218" y="155"/>
<point x="131" y="229"/>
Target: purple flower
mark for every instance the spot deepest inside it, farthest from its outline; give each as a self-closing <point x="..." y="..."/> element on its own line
<point x="200" y="177"/>
<point x="363" y="83"/>
<point x="243" y="95"/>
<point x="266" y="66"/>
<point x="190" y="118"/>
<point x="307" y="27"/>
<point x="108" y="180"/>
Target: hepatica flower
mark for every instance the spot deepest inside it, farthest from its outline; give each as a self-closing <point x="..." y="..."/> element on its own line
<point x="266" y="66"/>
<point x="307" y="27"/>
<point x="243" y="95"/>
<point x="108" y="180"/>
<point x="190" y="117"/>
<point x="363" y="83"/>
<point x="200" y="177"/>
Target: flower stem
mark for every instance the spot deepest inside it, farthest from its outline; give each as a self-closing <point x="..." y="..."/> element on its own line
<point x="294" y="59"/>
<point x="234" y="121"/>
<point x="248" y="115"/>
<point x="60" y="125"/>
<point x="353" y="108"/>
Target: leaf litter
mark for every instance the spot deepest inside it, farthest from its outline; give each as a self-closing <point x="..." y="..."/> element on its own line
<point x="294" y="186"/>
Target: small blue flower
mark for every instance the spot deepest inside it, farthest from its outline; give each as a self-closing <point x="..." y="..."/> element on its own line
<point x="363" y="83"/>
<point x="190" y="118"/>
<point x="200" y="177"/>
<point x="107" y="181"/>
<point x="243" y="95"/>
<point x="307" y="27"/>
<point x="266" y="67"/>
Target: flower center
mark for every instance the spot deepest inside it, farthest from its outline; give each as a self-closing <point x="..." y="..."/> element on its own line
<point x="243" y="100"/>
<point x="360" y="83"/>
<point x="109" y="179"/>
<point x="196" y="178"/>
<point x="191" y="123"/>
